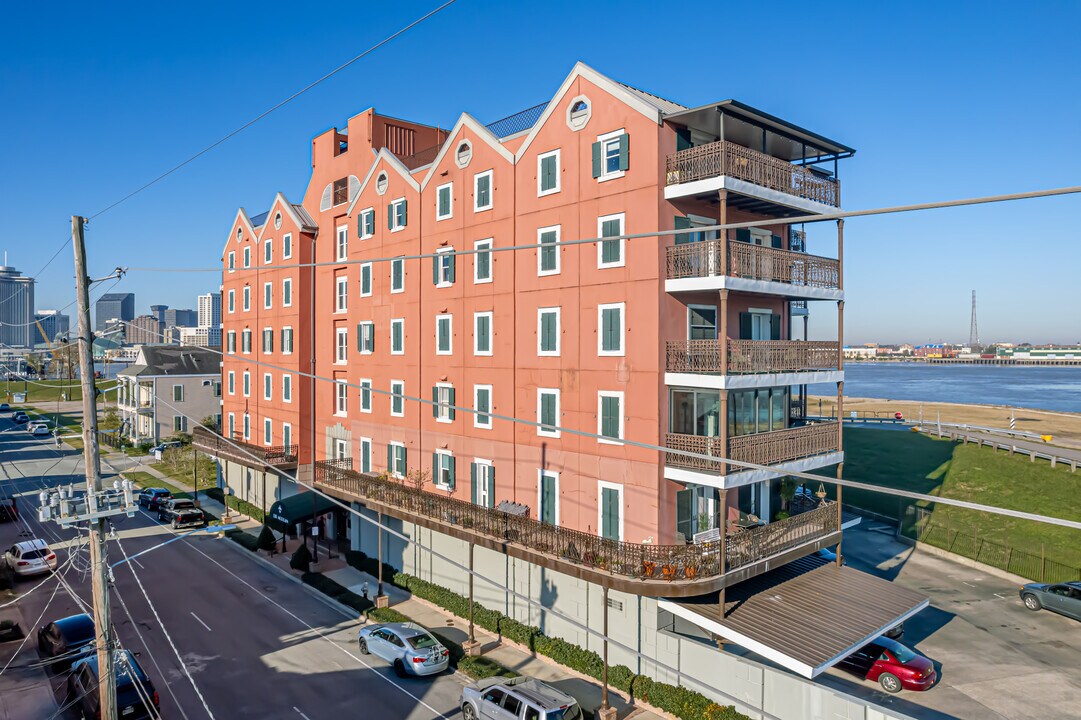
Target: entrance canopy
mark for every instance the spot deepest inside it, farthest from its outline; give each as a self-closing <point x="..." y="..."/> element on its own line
<point x="805" y="616"/>
<point x="299" y="508"/>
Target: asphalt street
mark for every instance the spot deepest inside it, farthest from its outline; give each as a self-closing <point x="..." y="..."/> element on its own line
<point x="251" y="643"/>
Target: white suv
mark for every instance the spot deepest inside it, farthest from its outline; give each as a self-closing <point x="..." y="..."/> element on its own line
<point x="524" y="698"/>
<point x="30" y="557"/>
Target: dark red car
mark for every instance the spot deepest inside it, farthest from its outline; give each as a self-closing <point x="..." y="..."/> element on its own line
<point x="892" y="664"/>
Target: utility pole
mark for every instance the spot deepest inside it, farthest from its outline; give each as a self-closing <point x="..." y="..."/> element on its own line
<point x="99" y="568"/>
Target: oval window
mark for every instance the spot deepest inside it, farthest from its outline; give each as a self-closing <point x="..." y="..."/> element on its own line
<point x="465" y="154"/>
<point x="381" y="183"/>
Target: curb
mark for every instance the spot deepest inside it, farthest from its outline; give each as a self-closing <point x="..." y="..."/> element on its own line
<point x="969" y="562"/>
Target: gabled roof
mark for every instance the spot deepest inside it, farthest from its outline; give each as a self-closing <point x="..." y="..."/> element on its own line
<point x="395" y="164"/>
<point x="636" y="99"/>
<point x="242" y="218"/>
<point x="482" y="133"/>
<point x="174" y="360"/>
<point x="296" y="213"/>
<point x="664" y="106"/>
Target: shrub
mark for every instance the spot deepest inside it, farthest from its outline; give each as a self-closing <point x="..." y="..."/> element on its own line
<point x="335" y="591"/>
<point x="301" y="559"/>
<point x="266" y="539"/>
<point x="243" y="539"/>
<point x="371" y="566"/>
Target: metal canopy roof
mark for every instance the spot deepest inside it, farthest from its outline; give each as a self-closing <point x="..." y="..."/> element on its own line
<point x="805" y="616"/>
<point x="743" y="124"/>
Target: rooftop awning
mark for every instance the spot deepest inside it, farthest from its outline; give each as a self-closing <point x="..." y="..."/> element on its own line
<point x="298" y="508"/>
<point x="805" y="616"/>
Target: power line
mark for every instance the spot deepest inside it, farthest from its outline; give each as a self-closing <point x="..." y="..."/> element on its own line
<point x="281" y="104"/>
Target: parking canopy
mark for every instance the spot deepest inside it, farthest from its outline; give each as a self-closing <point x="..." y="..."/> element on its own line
<point x="298" y="508"/>
<point x="805" y="616"/>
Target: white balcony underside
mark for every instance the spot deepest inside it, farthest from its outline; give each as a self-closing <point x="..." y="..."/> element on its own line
<point x="747" y="477"/>
<point x="759" y="287"/>
<point x="726" y="182"/>
<point x="752" y="380"/>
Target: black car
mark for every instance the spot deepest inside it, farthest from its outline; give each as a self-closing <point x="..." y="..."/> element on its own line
<point x="136" y="698"/>
<point x="20" y="417"/>
<point x="167" y="510"/>
<point x="66" y="640"/>
<point x="189" y="518"/>
<point x="151" y="497"/>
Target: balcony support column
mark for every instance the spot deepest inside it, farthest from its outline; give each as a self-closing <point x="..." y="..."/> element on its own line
<point x="723" y="197"/>
<point x="841" y="367"/>
<point x="723" y="347"/>
<point x="381" y="600"/>
<point x="471" y="646"/>
<point x="724" y="548"/>
<point x="605" y="712"/>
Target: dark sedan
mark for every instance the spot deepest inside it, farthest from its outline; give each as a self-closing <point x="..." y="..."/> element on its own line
<point x="66" y="640"/>
<point x="150" y="498"/>
<point x="1064" y="598"/>
<point x="136" y="698"/>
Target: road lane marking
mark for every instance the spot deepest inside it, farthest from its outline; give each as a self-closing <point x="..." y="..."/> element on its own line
<point x="1003" y="597"/>
<point x="200" y="621"/>
<point x="300" y="713"/>
<point x="968" y="583"/>
<point x="138" y="563"/>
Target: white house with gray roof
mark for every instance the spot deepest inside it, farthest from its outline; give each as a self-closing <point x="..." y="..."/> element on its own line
<point x="167" y="390"/>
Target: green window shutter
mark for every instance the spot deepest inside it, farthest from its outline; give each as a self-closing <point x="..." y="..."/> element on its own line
<point x="453" y="257"/>
<point x="390" y="216"/>
<point x="452" y="404"/>
<point x="491" y="486"/>
<point x="435" y="401"/>
<point x="624" y="151"/>
<point x="596" y="159"/>
<point x="405" y="213"/>
<point x="610" y="513"/>
<point x="483" y="265"/>
<point x="684" y="517"/>
<point x="396" y="273"/>
<point x="610" y="340"/>
<point x="369" y="222"/>
<point x="443" y="340"/>
<point x="482" y="334"/>
<point x="360" y="338"/>
<point x="743" y="234"/>
<point x="442" y="201"/>
<point x="435" y="468"/>
<point x="453" y="471"/>
<point x="405" y="466"/>
<point x="435" y="269"/>
<point x="473" y="482"/>
<point x="360" y="225"/>
<point x="610" y="411"/>
<point x="774" y="327"/>
<point x="366" y="279"/>
<point x="744" y="326"/>
<point x="610" y="248"/>
<point x="390" y="458"/>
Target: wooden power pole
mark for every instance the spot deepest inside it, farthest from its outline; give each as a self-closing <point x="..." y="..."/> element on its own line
<point x="99" y="571"/>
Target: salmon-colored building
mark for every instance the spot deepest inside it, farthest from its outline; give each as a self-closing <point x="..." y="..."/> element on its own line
<point x="439" y="289"/>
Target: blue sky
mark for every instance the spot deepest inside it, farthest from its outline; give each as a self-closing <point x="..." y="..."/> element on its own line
<point x="941" y="100"/>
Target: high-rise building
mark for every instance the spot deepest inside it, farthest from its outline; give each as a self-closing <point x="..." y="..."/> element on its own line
<point x="657" y="368"/>
<point x="202" y="336"/>
<point x="181" y="318"/>
<point x="53" y="323"/>
<point x="144" y="330"/>
<point x="158" y="311"/>
<point x="210" y="310"/>
<point x="16" y="308"/>
<point x="114" y="306"/>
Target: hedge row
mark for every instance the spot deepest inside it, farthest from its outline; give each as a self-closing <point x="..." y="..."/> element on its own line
<point x="680" y="701"/>
<point x="233" y="502"/>
<point x="243" y="539"/>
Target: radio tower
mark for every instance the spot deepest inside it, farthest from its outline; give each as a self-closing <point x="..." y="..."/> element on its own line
<point x="973" y="333"/>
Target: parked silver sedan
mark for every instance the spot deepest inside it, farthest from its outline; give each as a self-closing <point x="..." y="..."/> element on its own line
<point x="1063" y="598"/>
<point x="408" y="647"/>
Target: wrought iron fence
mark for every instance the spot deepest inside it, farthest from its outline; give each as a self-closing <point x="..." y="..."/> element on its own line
<point x="754" y="262"/>
<point x="750" y="356"/>
<point x="766" y="448"/>
<point x="636" y="560"/>
<point x="213" y="443"/>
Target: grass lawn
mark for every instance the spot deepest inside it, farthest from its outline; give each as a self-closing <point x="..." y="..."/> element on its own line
<point x="41" y="391"/>
<point x="178" y="465"/>
<point x="911" y="461"/>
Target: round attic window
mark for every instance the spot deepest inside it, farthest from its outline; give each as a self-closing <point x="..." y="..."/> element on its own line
<point x="578" y="113"/>
<point x="464" y="154"/>
<point x="381" y="183"/>
<point x="277" y="221"/>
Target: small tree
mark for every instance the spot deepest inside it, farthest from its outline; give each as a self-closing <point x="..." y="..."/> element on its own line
<point x="302" y="559"/>
<point x="418" y="479"/>
<point x="266" y="539"/>
<point x="787" y="492"/>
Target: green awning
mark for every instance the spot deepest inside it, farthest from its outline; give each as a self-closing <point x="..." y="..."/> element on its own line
<point x="299" y="508"/>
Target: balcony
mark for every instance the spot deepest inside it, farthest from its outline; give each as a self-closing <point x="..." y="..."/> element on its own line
<point x="791" y="270"/>
<point x="141" y="406"/>
<point x="644" y="569"/>
<point x="750" y="356"/>
<point x="767" y="448"/>
<point x="242" y="452"/>
<point x="727" y="159"/>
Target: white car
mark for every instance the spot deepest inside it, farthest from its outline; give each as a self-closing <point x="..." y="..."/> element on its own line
<point x="30" y="557"/>
<point x="40" y="431"/>
<point x="36" y="424"/>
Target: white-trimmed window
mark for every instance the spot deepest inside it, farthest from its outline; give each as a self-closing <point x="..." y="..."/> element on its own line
<point x="548" y="332"/>
<point x="397" y="275"/>
<point x="268" y="386"/>
<point x="366" y="337"/>
<point x="180" y="423"/>
<point x="548" y="497"/>
<point x="444" y="332"/>
<point x="245" y="341"/>
<point x="230" y="341"/>
<point x="610" y="510"/>
<point x="342" y="346"/>
<point x="366" y="280"/>
<point x="482" y="333"/>
<point x="232" y="301"/>
<point x="483" y="477"/>
<point x="482" y="261"/>
<point x="268" y="251"/>
<point x="610" y="327"/>
<point x="232" y="261"/>
<point x="247" y="426"/>
<point x="287" y="436"/>
<point x="548" y="252"/>
<point x="341" y="295"/>
<point x="397" y="398"/>
<point x="397" y="336"/>
<point x="548" y="412"/>
<point x="247" y="298"/>
<point x="610" y="416"/>
<point x="343" y="242"/>
<point x="268" y="431"/>
<point x="610" y="155"/>
<point x="443" y="469"/>
<point x="287" y="245"/>
<point x="610" y="253"/>
<point x="443" y="267"/>
<point x="287" y="292"/>
<point x="365" y="395"/>
<point x="287" y="388"/>
<point x="444" y="201"/>
<point x="268" y="295"/>
<point x="247" y="256"/>
<point x="396" y="464"/>
<point x="287" y="341"/>
<point x="231" y="382"/>
<point x="548" y="173"/>
<point x="341" y="405"/>
<point x="246" y="383"/>
<point x="268" y="341"/>
<point x="365" y="454"/>
<point x="397" y="215"/>
<point x="482" y="403"/>
<point x="366" y="223"/>
<point x="443" y="402"/>
<point x="482" y="191"/>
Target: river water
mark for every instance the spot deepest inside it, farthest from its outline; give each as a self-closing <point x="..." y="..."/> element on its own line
<point x="1037" y="387"/>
